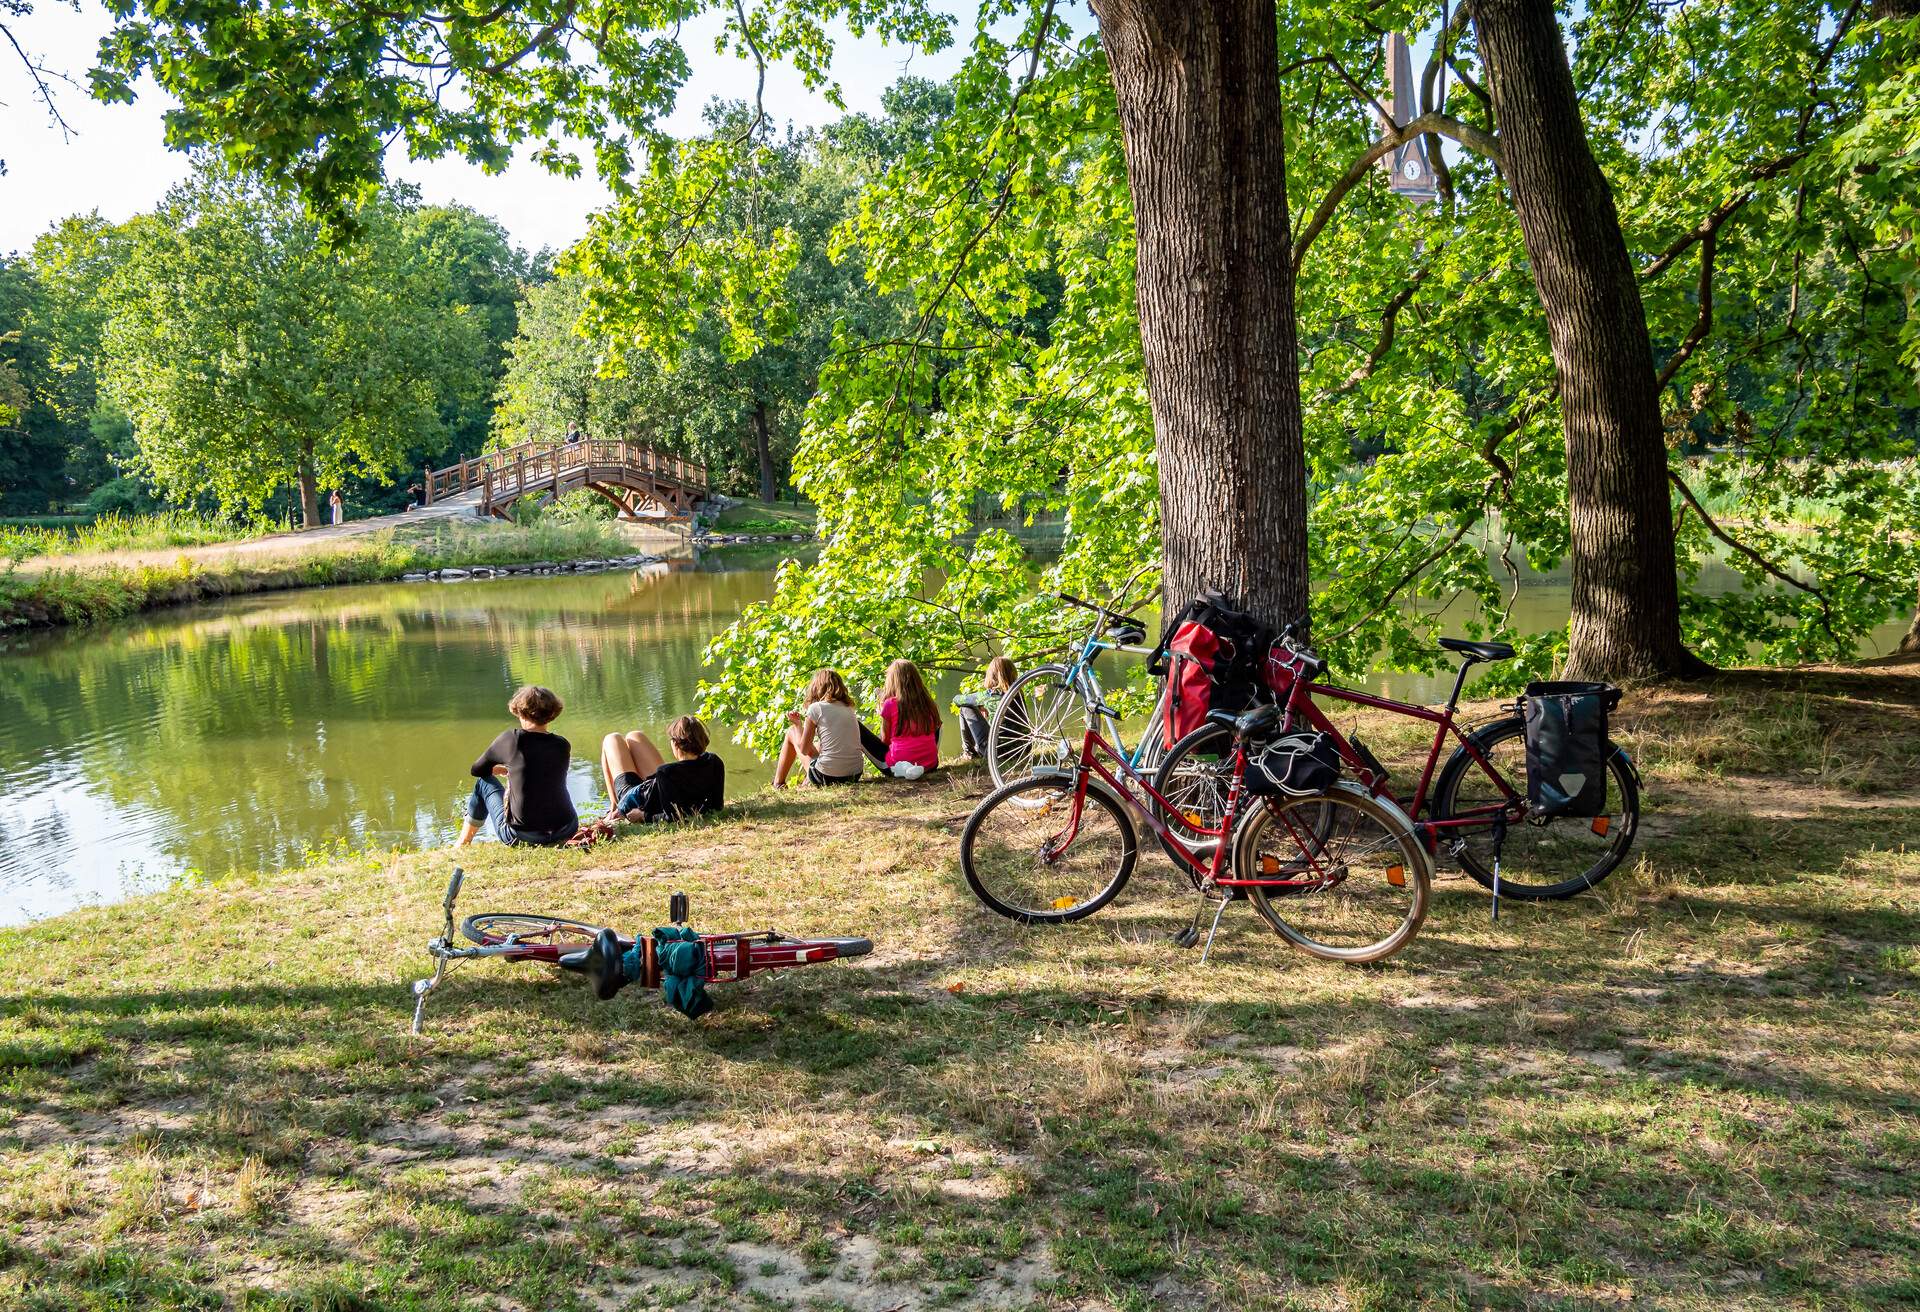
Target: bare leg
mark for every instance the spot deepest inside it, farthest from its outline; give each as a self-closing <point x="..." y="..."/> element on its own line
<point x="789" y="753"/>
<point x="467" y="830"/>
<point x="615" y="760"/>
<point x="645" y="756"/>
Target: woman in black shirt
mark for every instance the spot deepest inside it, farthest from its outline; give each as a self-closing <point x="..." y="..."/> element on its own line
<point x="643" y="787"/>
<point x="533" y="806"/>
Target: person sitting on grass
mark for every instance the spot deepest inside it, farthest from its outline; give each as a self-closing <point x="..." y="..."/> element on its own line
<point x="909" y="742"/>
<point x="645" y="787"/>
<point x="976" y="709"/>
<point x="827" y="735"/>
<point x="533" y="805"/>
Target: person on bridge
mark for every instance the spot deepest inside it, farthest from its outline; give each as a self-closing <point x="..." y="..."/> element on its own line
<point x="574" y="435"/>
<point x="645" y="787"/>
<point x="533" y="806"/>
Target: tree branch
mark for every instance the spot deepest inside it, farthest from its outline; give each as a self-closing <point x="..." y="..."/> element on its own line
<point x="1395" y="304"/>
<point x="1733" y="543"/>
<point x="1466" y="134"/>
<point x="1701" y="325"/>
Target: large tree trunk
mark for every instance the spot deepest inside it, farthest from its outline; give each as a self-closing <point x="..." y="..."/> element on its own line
<point x="1626" y="596"/>
<point x="1910" y="645"/>
<point x="309" y="495"/>
<point x="763" y="447"/>
<point x="1198" y="88"/>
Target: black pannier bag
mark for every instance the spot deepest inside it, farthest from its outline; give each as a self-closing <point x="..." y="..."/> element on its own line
<point x="1293" y="765"/>
<point x="1567" y="747"/>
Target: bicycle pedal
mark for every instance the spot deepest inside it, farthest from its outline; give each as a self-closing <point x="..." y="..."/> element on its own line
<point x="1187" y="938"/>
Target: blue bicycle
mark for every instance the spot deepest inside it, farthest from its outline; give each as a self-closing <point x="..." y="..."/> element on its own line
<point x="1047" y="713"/>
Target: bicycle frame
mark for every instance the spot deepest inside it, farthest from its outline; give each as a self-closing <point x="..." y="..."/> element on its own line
<point x="1202" y="873"/>
<point x="1300" y="693"/>
<point x="1082" y="678"/>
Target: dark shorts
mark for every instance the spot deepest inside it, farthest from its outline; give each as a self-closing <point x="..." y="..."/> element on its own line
<point x="820" y="780"/>
<point x="623" y="781"/>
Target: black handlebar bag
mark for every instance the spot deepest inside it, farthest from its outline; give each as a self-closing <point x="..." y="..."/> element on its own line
<point x="1567" y="747"/>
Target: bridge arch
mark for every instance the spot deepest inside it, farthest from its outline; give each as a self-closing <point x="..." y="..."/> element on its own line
<point x="640" y="481"/>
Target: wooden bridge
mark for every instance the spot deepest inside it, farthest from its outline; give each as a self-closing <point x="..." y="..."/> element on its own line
<point x="640" y="481"/>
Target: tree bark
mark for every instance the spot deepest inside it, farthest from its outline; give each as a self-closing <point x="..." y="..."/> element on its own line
<point x="1910" y="645"/>
<point x="309" y="494"/>
<point x="1198" y="90"/>
<point x="763" y="447"/>
<point x="1626" y="595"/>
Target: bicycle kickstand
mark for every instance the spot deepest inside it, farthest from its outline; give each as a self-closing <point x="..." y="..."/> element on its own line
<point x="1225" y="902"/>
<point x="1499" y="840"/>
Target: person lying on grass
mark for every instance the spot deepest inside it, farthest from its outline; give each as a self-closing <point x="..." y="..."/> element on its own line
<point x="826" y="736"/>
<point x="533" y="805"/>
<point x="645" y="787"/>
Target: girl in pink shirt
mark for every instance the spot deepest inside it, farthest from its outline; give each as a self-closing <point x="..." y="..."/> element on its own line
<point x="909" y="721"/>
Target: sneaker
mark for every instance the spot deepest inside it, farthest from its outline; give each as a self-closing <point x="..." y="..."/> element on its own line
<point x="908" y="770"/>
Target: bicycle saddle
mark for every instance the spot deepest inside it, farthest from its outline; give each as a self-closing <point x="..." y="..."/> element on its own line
<point x="600" y="964"/>
<point x="1249" y="724"/>
<point x="1479" y="651"/>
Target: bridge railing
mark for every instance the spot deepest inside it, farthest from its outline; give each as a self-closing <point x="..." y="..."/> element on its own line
<point x="507" y="474"/>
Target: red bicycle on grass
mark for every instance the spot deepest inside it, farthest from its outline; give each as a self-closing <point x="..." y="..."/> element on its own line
<point x="1337" y="872"/>
<point x="589" y="950"/>
<point x="1477" y="806"/>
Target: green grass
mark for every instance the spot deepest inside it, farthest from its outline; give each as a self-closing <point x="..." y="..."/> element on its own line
<point x="117" y="532"/>
<point x="1696" y="1088"/>
<point x="55" y="596"/>
<point x="753" y="516"/>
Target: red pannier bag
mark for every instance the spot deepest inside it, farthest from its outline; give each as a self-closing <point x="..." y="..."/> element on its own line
<point x="1213" y="653"/>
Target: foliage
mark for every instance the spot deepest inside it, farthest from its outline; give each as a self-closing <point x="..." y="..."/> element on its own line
<point x="251" y="356"/>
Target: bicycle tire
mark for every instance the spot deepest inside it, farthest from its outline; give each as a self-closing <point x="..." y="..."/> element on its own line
<point x="547" y="938"/>
<point x="1010" y="734"/>
<point x="1535" y="841"/>
<point x="1028" y="818"/>
<point x="1195" y="770"/>
<point x="1392" y="842"/>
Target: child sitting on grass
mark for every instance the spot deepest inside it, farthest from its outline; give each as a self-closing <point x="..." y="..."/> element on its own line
<point x="533" y="806"/>
<point x="976" y="709"/>
<point x="646" y="787"/>
<point x="909" y="742"/>
<point x="827" y="735"/>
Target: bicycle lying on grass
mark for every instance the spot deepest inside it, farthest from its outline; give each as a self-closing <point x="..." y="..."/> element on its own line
<point x="609" y="961"/>
<point x="1336" y="872"/>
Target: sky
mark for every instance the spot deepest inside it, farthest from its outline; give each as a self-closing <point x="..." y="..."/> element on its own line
<point x="116" y="162"/>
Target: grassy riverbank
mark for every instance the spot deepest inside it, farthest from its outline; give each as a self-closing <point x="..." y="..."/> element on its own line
<point x="1697" y="1088"/>
<point x="55" y="593"/>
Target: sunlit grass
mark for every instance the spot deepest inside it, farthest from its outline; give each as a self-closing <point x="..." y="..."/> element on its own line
<point x="1697" y="1088"/>
<point x="119" y="532"/>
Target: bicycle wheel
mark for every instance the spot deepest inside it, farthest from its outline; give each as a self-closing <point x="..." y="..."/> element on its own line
<point x="1024" y="857"/>
<point x="546" y="938"/>
<point x="1040" y="723"/>
<point x="1556" y="859"/>
<point x="1359" y="878"/>
<point x="1194" y="777"/>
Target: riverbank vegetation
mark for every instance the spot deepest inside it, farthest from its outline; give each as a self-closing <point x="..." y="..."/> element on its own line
<point x="115" y="531"/>
<point x="1694" y="1088"/>
<point x="56" y="592"/>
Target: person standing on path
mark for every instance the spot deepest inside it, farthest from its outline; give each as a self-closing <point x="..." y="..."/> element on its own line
<point x="339" y="507"/>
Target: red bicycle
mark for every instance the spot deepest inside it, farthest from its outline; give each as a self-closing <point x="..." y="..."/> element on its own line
<point x="1338" y="873"/>
<point x="575" y="946"/>
<point x="1476" y="806"/>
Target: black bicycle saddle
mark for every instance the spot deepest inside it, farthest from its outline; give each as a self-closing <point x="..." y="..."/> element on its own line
<point x="1248" y="724"/>
<point x="600" y="964"/>
<point x="1479" y="651"/>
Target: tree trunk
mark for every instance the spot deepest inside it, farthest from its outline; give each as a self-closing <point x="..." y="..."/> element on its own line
<point x="1910" y="645"/>
<point x="763" y="447"/>
<point x="1198" y="89"/>
<point x="1626" y="596"/>
<point x="309" y="495"/>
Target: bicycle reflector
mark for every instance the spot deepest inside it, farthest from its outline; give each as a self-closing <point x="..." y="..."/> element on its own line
<point x="1269" y="865"/>
<point x="1600" y="823"/>
<point x="1397" y="875"/>
<point x="1062" y="903"/>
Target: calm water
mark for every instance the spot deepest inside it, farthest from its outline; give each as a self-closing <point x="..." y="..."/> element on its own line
<point x="248" y="733"/>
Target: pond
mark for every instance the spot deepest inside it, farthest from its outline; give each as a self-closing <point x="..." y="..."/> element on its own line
<point x="250" y="733"/>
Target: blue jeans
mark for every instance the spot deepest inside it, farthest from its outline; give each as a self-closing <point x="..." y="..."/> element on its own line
<point x="488" y="806"/>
